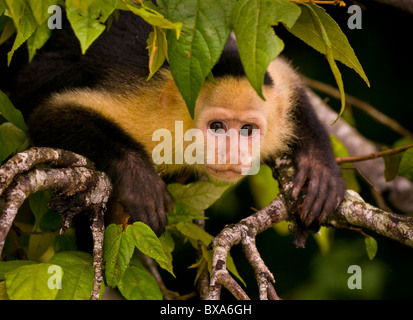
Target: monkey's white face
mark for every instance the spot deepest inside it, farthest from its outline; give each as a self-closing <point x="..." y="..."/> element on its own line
<point x="232" y="142"/>
<point x="243" y="127"/>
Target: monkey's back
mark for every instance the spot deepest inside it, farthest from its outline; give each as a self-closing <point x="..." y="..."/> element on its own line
<point x="117" y="58"/>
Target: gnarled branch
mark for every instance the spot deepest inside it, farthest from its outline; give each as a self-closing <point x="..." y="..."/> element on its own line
<point x="352" y="212"/>
<point x="76" y="189"/>
<point x="79" y="188"/>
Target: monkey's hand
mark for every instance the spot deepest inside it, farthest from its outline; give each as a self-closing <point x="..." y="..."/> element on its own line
<point x="142" y="193"/>
<point x="325" y="186"/>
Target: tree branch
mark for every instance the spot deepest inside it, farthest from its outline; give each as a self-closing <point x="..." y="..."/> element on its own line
<point x="27" y="160"/>
<point x="353" y="211"/>
<point x="77" y="189"/>
<point x="245" y="232"/>
<point x="374" y="155"/>
<point x="80" y="188"/>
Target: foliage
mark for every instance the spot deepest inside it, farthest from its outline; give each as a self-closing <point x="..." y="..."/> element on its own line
<point x="194" y="32"/>
<point x="190" y="35"/>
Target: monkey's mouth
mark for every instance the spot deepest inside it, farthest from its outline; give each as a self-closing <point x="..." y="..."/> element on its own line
<point x="225" y="172"/>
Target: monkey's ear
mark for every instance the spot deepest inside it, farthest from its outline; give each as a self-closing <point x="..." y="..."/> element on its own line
<point x="166" y="99"/>
<point x="170" y="96"/>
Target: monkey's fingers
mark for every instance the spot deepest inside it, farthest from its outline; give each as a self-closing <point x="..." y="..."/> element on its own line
<point x="334" y="199"/>
<point x="300" y="180"/>
<point x="314" y="199"/>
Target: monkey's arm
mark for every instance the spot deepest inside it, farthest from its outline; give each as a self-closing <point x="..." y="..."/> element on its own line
<point x="137" y="186"/>
<point x="316" y="164"/>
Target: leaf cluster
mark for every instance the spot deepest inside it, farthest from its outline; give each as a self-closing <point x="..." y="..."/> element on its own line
<point x="191" y="34"/>
<point x="123" y="245"/>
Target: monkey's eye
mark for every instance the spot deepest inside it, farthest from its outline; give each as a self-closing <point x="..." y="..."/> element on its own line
<point x="218" y="127"/>
<point x="246" y="130"/>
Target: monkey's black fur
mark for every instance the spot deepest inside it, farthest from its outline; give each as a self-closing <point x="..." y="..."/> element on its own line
<point x="230" y="64"/>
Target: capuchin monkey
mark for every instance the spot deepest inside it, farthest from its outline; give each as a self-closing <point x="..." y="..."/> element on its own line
<point x="100" y="105"/>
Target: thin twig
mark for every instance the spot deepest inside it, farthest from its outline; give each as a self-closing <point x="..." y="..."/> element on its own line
<point x="373" y="155"/>
<point x="98" y="229"/>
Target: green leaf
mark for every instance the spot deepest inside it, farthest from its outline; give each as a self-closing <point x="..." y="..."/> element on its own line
<point x="64" y="242"/>
<point x="3" y="290"/>
<point x="11" y="138"/>
<point x="391" y="165"/>
<point x="207" y="254"/>
<point x="8" y="30"/>
<point x="199" y="195"/>
<point x="206" y="28"/>
<point x="148" y="243"/>
<point x="8" y="266"/>
<point x="168" y="244"/>
<point x="139" y="284"/>
<point x="151" y="15"/>
<point x="30" y="282"/>
<point x="51" y="221"/>
<point x="157" y="50"/>
<point x="181" y="213"/>
<point x="2" y="6"/>
<point x="264" y="188"/>
<point x="258" y="45"/>
<point x="371" y="247"/>
<point x="24" y="22"/>
<point x="38" y="39"/>
<point x="39" y="244"/>
<point x="118" y="250"/>
<point x="306" y="29"/>
<point x="10" y="113"/>
<point x="233" y="269"/>
<point x="323" y="238"/>
<point x="349" y="175"/>
<point x="40" y="9"/>
<point x="320" y="31"/>
<point x="406" y="164"/>
<point x="402" y="142"/>
<point x="194" y="232"/>
<point x="77" y="282"/>
<point x="87" y="17"/>
<point x="39" y="203"/>
<point x="319" y="18"/>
